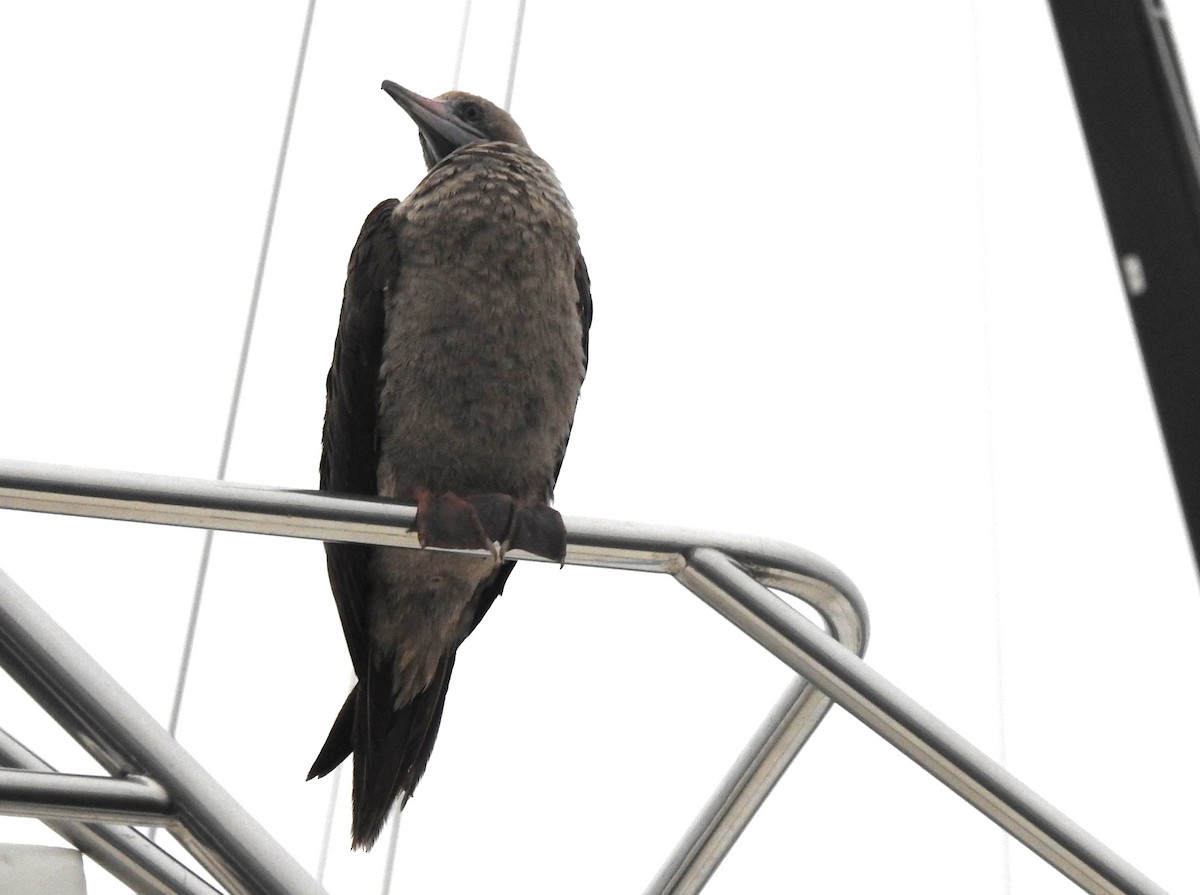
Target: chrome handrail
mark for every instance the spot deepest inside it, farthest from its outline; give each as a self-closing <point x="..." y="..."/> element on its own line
<point x="122" y="736"/>
<point x="732" y="574"/>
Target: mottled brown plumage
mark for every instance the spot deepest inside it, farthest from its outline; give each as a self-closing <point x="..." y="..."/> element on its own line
<point x="460" y="351"/>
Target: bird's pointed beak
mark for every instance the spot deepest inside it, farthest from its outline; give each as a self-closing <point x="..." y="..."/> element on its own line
<point x="441" y="132"/>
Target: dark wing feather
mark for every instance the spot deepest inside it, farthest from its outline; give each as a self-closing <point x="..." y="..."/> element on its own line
<point x="349" y="449"/>
<point x="391" y="748"/>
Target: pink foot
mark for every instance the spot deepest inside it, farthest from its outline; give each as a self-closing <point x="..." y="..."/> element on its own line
<point x="493" y="522"/>
<point x="447" y="520"/>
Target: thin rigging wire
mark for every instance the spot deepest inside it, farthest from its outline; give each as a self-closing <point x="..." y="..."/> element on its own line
<point x="239" y="379"/>
<point x="394" y="839"/>
<point x="393" y="842"/>
<point x="334" y="789"/>
<point x="389" y="865"/>
<point x="462" y="44"/>
<point x="516" y="51"/>
<point x="327" y="836"/>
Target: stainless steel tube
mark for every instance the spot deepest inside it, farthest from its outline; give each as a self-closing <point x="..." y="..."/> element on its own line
<point x="124" y="852"/>
<point x="914" y="731"/>
<point x="746" y="786"/>
<point x="732" y="574"/>
<point x="123" y="737"/>
<point x="175" y="501"/>
<point x="130" y="800"/>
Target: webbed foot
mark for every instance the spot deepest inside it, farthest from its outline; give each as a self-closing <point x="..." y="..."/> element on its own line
<point x="493" y="522"/>
<point x="538" y="529"/>
<point x="447" y="520"/>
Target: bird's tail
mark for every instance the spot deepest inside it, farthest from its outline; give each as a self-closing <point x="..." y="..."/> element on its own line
<point x="391" y="747"/>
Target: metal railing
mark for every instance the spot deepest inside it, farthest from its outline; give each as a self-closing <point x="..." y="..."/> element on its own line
<point x="734" y="575"/>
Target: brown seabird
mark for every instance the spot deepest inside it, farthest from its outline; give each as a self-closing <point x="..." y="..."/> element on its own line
<point x="459" y="356"/>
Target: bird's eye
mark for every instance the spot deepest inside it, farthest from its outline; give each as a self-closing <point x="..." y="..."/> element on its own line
<point x="471" y="113"/>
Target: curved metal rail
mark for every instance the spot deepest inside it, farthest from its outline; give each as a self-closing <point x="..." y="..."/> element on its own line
<point x="731" y="574"/>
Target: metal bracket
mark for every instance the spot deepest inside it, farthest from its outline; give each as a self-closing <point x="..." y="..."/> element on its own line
<point x="733" y="575"/>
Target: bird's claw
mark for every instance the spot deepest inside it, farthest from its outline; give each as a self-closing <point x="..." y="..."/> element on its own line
<point x="449" y="521"/>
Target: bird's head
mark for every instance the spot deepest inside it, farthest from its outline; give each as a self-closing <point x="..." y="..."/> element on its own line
<point x="453" y="120"/>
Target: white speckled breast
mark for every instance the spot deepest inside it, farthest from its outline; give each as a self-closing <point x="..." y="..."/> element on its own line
<point x="483" y="354"/>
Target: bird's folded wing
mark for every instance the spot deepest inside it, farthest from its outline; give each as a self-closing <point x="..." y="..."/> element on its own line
<point x="350" y="452"/>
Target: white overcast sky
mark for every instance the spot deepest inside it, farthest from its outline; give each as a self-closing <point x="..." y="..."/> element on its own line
<point x="853" y="291"/>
